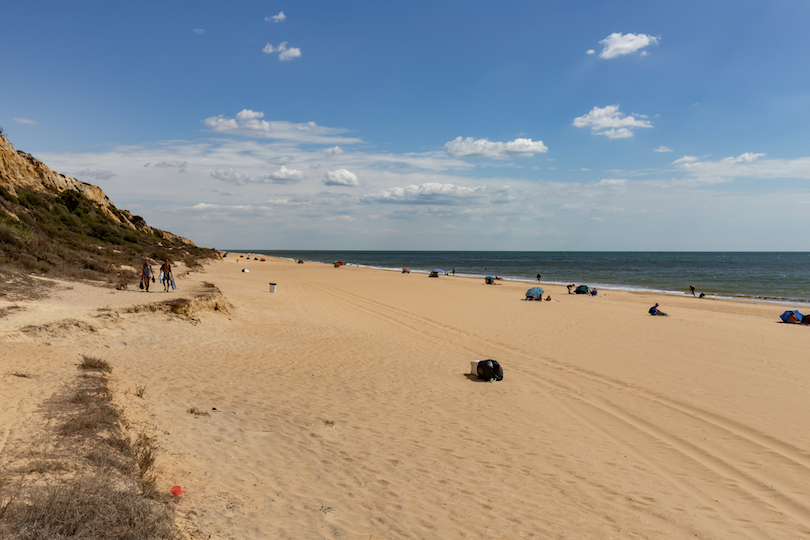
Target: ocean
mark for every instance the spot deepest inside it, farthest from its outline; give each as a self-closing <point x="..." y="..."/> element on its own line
<point x="765" y="276"/>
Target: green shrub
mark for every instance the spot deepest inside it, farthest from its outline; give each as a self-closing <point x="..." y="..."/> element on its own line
<point x="9" y="236"/>
<point x="6" y="194"/>
<point x="72" y="200"/>
<point x="29" y="199"/>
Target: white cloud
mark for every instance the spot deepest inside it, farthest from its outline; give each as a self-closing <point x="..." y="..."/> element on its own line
<point x="459" y="147"/>
<point x="199" y="31"/>
<point x="340" y="177"/>
<point x="281" y="176"/>
<point x="276" y="18"/>
<point x="335" y="150"/>
<point x="662" y="148"/>
<point x="747" y="157"/>
<point x="249" y="123"/>
<point x="608" y="121"/>
<point x="612" y="182"/>
<point x="26" y="121"/>
<point x="246" y="114"/>
<point x="618" y="44"/>
<point x="285" y="53"/>
<point x="230" y="176"/>
<point x="747" y="165"/>
<point x="590" y="51"/>
<point x="284" y="176"/>
<point x="283" y="160"/>
<point x="98" y="174"/>
<point x="429" y="193"/>
<point x="168" y="164"/>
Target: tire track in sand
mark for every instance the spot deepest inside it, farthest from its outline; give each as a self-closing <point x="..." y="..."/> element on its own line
<point x="756" y="483"/>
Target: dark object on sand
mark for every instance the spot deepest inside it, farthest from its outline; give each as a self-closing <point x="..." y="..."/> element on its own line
<point x="436" y="272"/>
<point x="797" y="316"/>
<point x="535" y="293"/>
<point x="406" y="270"/>
<point x="582" y="289"/>
<point x="490" y="370"/>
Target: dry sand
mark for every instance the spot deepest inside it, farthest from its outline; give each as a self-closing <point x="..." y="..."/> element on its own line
<point x="344" y="408"/>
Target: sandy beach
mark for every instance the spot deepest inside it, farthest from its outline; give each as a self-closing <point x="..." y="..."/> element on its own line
<point x="341" y="406"/>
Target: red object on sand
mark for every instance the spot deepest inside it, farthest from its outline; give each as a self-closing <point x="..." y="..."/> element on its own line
<point x="176" y="491"/>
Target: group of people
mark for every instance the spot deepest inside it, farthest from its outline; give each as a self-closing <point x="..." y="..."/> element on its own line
<point x="147" y="275"/>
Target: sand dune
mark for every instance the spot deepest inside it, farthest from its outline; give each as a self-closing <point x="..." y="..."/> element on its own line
<point x="344" y="408"/>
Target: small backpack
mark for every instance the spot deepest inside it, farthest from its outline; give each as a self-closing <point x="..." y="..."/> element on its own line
<point x="490" y="370"/>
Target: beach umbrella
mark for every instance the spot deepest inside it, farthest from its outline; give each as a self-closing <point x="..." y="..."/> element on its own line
<point x="438" y="271"/>
<point x="490" y="277"/>
<point x="786" y="315"/>
<point x="535" y="292"/>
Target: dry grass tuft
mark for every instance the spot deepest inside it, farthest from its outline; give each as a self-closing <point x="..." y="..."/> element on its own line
<point x="100" y="483"/>
<point x="21" y="374"/>
<point x="140" y="390"/>
<point x="197" y="412"/>
<point x="91" y="363"/>
<point x="90" y="508"/>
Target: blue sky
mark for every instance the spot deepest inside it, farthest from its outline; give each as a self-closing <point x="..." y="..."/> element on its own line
<point x="426" y="125"/>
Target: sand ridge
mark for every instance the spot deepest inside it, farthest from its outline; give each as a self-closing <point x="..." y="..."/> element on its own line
<point x="344" y="408"/>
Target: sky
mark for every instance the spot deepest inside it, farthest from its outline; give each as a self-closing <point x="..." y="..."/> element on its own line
<point x="441" y="125"/>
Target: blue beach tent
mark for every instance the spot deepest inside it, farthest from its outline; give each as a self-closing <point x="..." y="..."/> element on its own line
<point x="786" y="315"/>
<point x="535" y="292"/>
<point x="582" y="289"/>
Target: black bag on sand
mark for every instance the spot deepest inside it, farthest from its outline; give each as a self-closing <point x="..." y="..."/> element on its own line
<point x="489" y="370"/>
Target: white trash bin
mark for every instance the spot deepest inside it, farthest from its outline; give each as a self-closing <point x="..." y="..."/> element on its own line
<point x="474" y="368"/>
<point x="272" y="287"/>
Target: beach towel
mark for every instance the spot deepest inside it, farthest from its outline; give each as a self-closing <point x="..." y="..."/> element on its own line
<point x="161" y="275"/>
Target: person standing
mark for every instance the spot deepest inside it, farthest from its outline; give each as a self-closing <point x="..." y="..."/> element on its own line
<point x="146" y="274"/>
<point x="166" y="269"/>
<point x="454" y="270"/>
<point x="692" y="288"/>
<point x="538" y="277"/>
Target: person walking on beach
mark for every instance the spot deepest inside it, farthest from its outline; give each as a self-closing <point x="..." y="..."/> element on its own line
<point x="166" y="270"/>
<point x="692" y="288"/>
<point x="146" y="274"/>
<point x="454" y="270"/>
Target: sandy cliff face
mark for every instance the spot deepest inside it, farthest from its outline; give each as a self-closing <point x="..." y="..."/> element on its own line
<point x="21" y="170"/>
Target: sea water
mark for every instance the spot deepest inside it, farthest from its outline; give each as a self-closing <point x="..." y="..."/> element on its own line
<point x="767" y="276"/>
